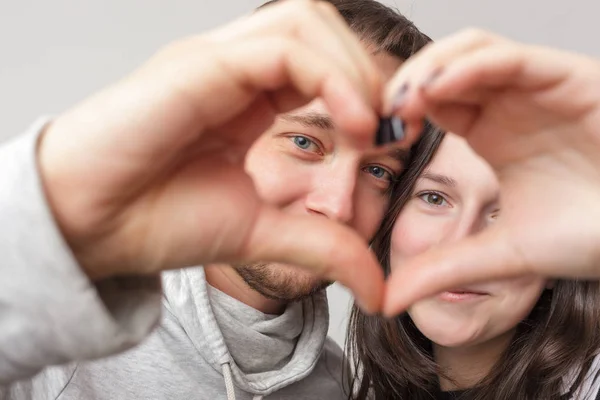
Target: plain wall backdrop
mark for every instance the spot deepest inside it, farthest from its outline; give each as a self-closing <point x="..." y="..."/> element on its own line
<point x="54" y="53"/>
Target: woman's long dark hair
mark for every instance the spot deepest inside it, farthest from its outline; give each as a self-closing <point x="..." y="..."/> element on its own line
<point x="392" y="359"/>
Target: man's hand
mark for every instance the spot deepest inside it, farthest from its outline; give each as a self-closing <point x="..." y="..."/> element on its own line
<point x="148" y="174"/>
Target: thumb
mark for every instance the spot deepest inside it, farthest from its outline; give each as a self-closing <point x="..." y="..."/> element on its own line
<point x="486" y="256"/>
<point x="329" y="249"/>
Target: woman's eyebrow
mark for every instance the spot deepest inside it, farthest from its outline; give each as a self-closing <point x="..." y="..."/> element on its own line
<point x="438" y="178"/>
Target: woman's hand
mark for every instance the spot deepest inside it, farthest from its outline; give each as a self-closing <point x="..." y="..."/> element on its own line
<point x="534" y="114"/>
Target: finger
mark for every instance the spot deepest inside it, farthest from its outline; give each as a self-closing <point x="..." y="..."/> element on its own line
<point x="329" y="249"/>
<point x="403" y="96"/>
<point x="454" y="117"/>
<point x="356" y="50"/>
<point x="518" y="69"/>
<point x="318" y="26"/>
<point x="428" y="62"/>
<point x="493" y="67"/>
<point x="284" y="64"/>
<point x="483" y="257"/>
<point x="503" y="65"/>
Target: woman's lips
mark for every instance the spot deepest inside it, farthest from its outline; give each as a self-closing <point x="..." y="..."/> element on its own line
<point x="460" y="295"/>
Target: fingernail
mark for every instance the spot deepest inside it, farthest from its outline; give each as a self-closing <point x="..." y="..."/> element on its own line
<point x="390" y="130"/>
<point x="384" y="133"/>
<point x="398" y="128"/>
<point x="400" y="98"/>
<point x="432" y="78"/>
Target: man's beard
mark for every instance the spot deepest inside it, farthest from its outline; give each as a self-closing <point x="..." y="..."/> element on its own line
<point x="281" y="282"/>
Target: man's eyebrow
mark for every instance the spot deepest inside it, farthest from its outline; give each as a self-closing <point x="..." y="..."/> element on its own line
<point x="400" y="155"/>
<point x="324" y="121"/>
<point x="441" y="179"/>
<point x="311" y="120"/>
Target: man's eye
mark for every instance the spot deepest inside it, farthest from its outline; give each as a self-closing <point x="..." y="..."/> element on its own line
<point x="379" y="172"/>
<point x="434" y="199"/>
<point x="302" y="142"/>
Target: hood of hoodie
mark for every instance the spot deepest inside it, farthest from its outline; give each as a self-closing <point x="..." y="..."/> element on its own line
<point x="188" y="298"/>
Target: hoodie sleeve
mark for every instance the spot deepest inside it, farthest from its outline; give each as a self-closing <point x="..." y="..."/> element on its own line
<point x="50" y="312"/>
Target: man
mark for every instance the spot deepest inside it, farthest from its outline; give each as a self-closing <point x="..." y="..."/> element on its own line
<point x="228" y="330"/>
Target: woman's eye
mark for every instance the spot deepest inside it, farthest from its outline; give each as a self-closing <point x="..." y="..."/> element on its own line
<point x="379" y="172"/>
<point x="434" y="199"/>
<point x="302" y="142"/>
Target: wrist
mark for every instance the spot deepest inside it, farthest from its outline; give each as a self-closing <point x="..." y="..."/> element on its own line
<point x="61" y="198"/>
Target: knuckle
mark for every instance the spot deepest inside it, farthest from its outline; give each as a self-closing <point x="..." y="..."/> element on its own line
<point x="302" y="10"/>
<point x="327" y="8"/>
<point x="477" y="35"/>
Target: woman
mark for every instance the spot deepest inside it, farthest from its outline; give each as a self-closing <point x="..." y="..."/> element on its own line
<point x="521" y="338"/>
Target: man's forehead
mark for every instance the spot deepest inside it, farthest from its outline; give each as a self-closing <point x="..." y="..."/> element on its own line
<point x="317" y="106"/>
<point x="387" y="63"/>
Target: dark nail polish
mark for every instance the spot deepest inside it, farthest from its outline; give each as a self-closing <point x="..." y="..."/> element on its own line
<point x="432" y="77"/>
<point x="400" y="98"/>
<point x="390" y="130"/>
<point x="398" y="128"/>
<point x="384" y="133"/>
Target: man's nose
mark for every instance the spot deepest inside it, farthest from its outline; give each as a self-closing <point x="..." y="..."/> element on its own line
<point x="332" y="193"/>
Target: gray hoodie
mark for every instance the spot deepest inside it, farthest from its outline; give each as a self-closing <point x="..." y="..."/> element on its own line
<point x="207" y="344"/>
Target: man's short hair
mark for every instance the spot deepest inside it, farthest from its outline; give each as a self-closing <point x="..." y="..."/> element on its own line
<point x="380" y="26"/>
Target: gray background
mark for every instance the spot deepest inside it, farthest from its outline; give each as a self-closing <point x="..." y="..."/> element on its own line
<point x="53" y="53"/>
